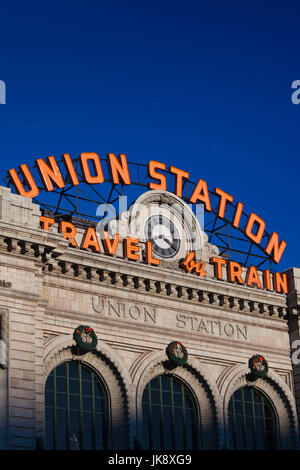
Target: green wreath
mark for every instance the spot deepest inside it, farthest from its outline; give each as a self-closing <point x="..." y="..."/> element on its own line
<point x="177" y="353"/>
<point x="85" y="338"/>
<point x="258" y="366"/>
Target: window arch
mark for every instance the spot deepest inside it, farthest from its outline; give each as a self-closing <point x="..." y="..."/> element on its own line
<point x="170" y="418"/>
<point x="252" y="421"/>
<point x="76" y="408"/>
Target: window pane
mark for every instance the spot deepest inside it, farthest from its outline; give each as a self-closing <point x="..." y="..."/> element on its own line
<point x="156" y="434"/>
<point x="165" y="383"/>
<point x="252" y="420"/>
<point x="176" y="387"/>
<point x="74" y="412"/>
<point x="49" y="398"/>
<point x="167" y="411"/>
<point x="98" y="390"/>
<point x="61" y="416"/>
<point x="86" y="387"/>
<point x="166" y="416"/>
<point x="85" y="374"/>
<point x="49" y="435"/>
<point x="177" y="399"/>
<point x="87" y="431"/>
<point x="166" y="398"/>
<point x="155" y="396"/>
<point x="49" y="414"/>
<point x="73" y="386"/>
<point x="61" y="400"/>
<point x="61" y="441"/>
<point x="61" y="370"/>
<point x="60" y="384"/>
<point x="74" y="418"/>
<point x="156" y="411"/>
<point x="74" y="402"/>
<point x="73" y="371"/>
<point x="87" y="403"/>
<point x="99" y="405"/>
<point x="179" y="443"/>
<point x="167" y="435"/>
<point x="50" y="381"/>
<point x="155" y="383"/>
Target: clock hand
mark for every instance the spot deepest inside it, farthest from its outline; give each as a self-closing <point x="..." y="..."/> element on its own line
<point x="161" y="237"/>
<point x="168" y="241"/>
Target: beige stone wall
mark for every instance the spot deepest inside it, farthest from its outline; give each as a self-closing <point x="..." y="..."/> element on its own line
<point x="136" y="310"/>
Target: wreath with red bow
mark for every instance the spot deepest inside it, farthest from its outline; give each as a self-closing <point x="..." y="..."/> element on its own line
<point x="177" y="353"/>
<point x="258" y="366"/>
<point x="85" y="338"/>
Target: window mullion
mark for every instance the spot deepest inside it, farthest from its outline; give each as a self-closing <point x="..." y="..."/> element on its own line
<point x="93" y="412"/>
<point x="161" y="413"/>
<point x="253" y="417"/>
<point x="183" y="416"/>
<point x="150" y="416"/>
<point x="264" y="420"/>
<point x="244" y="420"/>
<point x="54" y="409"/>
<point x="68" y="405"/>
<point x="80" y="408"/>
<point x="105" y="417"/>
<point x="234" y="421"/>
<point x="172" y="414"/>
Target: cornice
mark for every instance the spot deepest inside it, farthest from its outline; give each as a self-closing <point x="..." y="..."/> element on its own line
<point x="57" y="259"/>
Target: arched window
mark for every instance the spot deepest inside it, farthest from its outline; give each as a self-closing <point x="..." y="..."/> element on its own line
<point x="75" y="408"/>
<point x="252" y="421"/>
<point x="169" y="415"/>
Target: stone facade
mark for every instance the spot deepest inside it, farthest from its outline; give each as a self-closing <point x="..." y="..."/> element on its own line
<point x="136" y="310"/>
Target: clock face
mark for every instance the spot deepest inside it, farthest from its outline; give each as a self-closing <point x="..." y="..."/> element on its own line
<point x="164" y="236"/>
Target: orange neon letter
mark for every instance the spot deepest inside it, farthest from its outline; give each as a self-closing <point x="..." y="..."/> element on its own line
<point x="118" y="168"/>
<point x="19" y="187"/>
<point x="149" y="256"/>
<point x="189" y="264"/>
<point x="95" y="160"/>
<point x="201" y="193"/>
<point x="179" y="175"/>
<point x="110" y="247"/>
<point x="70" y="169"/>
<point x="254" y="219"/>
<point x="152" y="166"/>
<point x="252" y="277"/>
<point x="90" y="240"/>
<point x="234" y="272"/>
<point x="267" y="279"/>
<point x="218" y="263"/>
<point x="280" y="282"/>
<point x="224" y="198"/>
<point x="49" y="173"/>
<point x="237" y="214"/>
<point x="46" y="222"/>
<point x="69" y="231"/>
<point x="131" y="248"/>
<point x="273" y="245"/>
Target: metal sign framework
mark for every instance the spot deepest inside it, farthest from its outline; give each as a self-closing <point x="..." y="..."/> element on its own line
<point x="78" y="204"/>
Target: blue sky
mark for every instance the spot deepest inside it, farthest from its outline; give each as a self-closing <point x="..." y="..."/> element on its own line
<point x="204" y="86"/>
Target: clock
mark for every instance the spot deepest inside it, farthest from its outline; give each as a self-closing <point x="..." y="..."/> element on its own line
<point x="163" y="234"/>
<point x="167" y="222"/>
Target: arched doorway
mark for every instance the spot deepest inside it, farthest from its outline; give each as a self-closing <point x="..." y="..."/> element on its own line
<point x="252" y="421"/>
<point x="169" y="414"/>
<point x="76" y="408"/>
